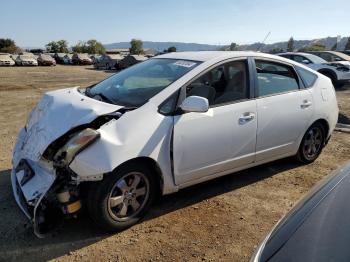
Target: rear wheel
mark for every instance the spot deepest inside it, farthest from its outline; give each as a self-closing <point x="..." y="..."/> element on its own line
<point x="312" y="144"/>
<point x="122" y="198"/>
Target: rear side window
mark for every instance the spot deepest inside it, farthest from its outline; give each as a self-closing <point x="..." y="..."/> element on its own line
<point x="275" y="78"/>
<point x="308" y="77"/>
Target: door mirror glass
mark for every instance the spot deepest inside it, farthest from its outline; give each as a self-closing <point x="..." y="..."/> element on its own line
<point x="195" y="104"/>
<point x="306" y="62"/>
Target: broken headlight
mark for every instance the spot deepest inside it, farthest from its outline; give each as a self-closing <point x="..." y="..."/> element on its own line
<point x="75" y="144"/>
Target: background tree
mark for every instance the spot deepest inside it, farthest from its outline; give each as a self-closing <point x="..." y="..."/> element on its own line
<point x="36" y="51"/>
<point x="314" y="47"/>
<point x="276" y="50"/>
<point x="7" y="45"/>
<point x="52" y="47"/>
<point x="136" y="47"/>
<point x="290" y="45"/>
<point x="233" y="47"/>
<point x="171" y="49"/>
<point x="60" y="46"/>
<point x="95" y="47"/>
<point x="347" y="46"/>
<point x="80" y="47"/>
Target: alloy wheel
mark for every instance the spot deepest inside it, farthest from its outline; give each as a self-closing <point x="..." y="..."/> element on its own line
<point x="313" y="143"/>
<point x="128" y="196"/>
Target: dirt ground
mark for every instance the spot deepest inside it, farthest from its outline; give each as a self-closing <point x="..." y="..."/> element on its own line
<point x="221" y="220"/>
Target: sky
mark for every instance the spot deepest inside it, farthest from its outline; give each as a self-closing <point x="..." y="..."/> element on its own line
<point x="35" y="23"/>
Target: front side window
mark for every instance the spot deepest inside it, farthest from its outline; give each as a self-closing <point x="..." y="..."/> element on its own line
<point x="224" y="84"/>
<point x="275" y="78"/>
<point x="301" y="59"/>
<point x="134" y="86"/>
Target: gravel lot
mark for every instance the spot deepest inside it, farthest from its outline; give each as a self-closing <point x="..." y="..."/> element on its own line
<point x="221" y="220"/>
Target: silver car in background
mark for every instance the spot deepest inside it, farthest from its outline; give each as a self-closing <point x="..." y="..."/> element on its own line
<point x="6" y="60"/>
<point x="26" y="60"/>
<point x="334" y="57"/>
<point x="336" y="71"/>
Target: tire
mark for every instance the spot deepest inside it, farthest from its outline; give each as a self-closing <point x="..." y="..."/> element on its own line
<point x="312" y="144"/>
<point x="104" y="198"/>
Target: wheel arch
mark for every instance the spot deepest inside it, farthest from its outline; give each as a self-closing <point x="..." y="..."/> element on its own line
<point x="150" y="163"/>
<point x="325" y="125"/>
<point x="326" y="72"/>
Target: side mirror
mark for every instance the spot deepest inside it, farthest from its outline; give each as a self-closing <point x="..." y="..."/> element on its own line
<point x="195" y="104"/>
<point x="306" y="62"/>
<point x="337" y="59"/>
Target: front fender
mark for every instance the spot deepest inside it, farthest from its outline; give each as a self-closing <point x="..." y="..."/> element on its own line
<point x="139" y="133"/>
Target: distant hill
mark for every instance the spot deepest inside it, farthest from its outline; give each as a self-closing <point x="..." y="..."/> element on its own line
<point x="160" y="46"/>
<point x="328" y="42"/>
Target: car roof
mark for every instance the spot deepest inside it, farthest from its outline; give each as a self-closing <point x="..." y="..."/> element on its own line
<point x="340" y="54"/>
<point x="204" y="56"/>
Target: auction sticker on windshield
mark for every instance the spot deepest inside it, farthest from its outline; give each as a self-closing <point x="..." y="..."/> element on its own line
<point x="184" y="63"/>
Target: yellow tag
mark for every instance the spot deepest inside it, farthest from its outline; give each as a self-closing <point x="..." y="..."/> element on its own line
<point x="74" y="207"/>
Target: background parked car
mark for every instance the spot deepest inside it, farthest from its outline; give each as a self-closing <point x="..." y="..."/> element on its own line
<point x="316" y="229"/>
<point x="6" y="60"/>
<point x="26" y="60"/>
<point x="59" y="57"/>
<point x="46" y="60"/>
<point x="334" y="57"/>
<point x="337" y="72"/>
<point x="130" y="60"/>
<point x="108" y="61"/>
<point x="95" y="58"/>
<point x="81" y="59"/>
<point x="68" y="59"/>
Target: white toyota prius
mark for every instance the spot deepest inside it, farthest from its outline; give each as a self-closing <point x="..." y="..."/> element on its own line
<point x="167" y="123"/>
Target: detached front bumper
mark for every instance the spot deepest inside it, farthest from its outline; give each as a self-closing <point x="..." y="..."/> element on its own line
<point x="30" y="183"/>
<point x="31" y="180"/>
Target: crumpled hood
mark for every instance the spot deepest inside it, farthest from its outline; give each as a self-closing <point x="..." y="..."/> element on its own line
<point x="57" y="113"/>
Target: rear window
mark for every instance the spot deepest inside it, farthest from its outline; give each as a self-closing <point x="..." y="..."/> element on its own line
<point x="308" y="77"/>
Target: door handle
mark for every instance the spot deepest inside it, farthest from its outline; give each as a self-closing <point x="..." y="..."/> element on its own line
<point x="246" y="117"/>
<point x="306" y="104"/>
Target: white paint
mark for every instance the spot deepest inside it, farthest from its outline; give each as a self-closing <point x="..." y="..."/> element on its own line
<point x="222" y="140"/>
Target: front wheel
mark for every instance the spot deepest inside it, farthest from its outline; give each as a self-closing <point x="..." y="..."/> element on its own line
<point x="122" y="198"/>
<point x="312" y="144"/>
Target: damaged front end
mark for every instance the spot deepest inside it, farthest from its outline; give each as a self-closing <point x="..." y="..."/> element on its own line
<point x="44" y="186"/>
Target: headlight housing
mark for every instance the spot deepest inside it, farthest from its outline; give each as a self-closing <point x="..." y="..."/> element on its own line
<point x="75" y="144"/>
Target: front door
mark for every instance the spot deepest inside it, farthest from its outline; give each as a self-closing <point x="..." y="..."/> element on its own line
<point x="223" y="138"/>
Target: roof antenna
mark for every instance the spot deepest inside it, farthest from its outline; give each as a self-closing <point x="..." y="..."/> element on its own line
<point x="263" y="42"/>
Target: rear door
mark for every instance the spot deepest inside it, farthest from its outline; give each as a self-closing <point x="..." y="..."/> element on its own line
<point x="223" y="138"/>
<point x="284" y="108"/>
